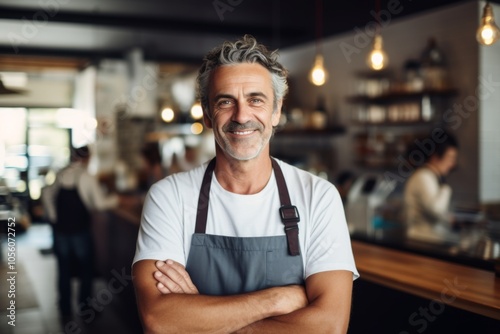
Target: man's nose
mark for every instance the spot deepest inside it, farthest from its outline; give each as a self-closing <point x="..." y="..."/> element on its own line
<point x="241" y="113"/>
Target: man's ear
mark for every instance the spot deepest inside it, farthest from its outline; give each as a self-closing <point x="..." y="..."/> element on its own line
<point x="277" y="113"/>
<point x="206" y="119"/>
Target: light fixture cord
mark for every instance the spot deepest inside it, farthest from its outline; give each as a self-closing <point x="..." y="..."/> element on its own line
<point x="377" y="10"/>
<point x="319" y="25"/>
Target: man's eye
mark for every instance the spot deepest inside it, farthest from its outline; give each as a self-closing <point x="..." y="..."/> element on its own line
<point x="256" y="101"/>
<point x="224" y="104"/>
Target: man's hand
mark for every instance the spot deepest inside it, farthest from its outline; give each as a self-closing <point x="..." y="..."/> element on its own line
<point x="172" y="277"/>
<point x="293" y="298"/>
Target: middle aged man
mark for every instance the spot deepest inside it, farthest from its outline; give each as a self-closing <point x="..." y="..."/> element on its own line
<point x="245" y="243"/>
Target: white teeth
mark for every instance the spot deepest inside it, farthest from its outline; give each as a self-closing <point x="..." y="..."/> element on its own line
<point x="242" y="132"/>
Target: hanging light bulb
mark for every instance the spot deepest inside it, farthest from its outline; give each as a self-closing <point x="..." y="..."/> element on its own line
<point x="377" y="58"/>
<point x="488" y="32"/>
<point x="318" y="74"/>
<point x="167" y="115"/>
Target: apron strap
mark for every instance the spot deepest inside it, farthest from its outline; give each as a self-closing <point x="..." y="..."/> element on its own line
<point x="288" y="212"/>
<point x="203" y="199"/>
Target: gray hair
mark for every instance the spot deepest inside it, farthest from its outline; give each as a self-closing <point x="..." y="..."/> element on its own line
<point x="244" y="50"/>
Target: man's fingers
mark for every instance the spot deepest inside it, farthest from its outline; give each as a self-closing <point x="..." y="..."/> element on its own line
<point x="185" y="275"/>
<point x="173" y="272"/>
<point x="177" y="279"/>
<point x="179" y="268"/>
<point x="162" y="288"/>
<point x="168" y="283"/>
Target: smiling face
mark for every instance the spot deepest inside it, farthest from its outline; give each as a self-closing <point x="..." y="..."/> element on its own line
<point x="241" y="110"/>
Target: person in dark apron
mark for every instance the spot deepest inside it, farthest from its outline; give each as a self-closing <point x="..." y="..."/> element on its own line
<point x="238" y="281"/>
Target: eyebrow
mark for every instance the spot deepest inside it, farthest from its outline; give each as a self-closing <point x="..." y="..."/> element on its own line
<point x="229" y="96"/>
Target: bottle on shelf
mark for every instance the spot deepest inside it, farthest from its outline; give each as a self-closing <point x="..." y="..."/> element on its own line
<point x="319" y="116"/>
<point x="433" y="66"/>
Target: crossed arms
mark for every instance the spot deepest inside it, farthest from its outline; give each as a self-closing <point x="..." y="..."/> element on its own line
<point x="170" y="303"/>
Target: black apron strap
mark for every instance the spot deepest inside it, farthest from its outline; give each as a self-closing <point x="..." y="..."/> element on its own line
<point x="203" y="199"/>
<point x="288" y="212"/>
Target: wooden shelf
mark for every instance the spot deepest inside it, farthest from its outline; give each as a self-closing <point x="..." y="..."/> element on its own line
<point x="398" y="97"/>
<point x="310" y="132"/>
<point x="393" y="124"/>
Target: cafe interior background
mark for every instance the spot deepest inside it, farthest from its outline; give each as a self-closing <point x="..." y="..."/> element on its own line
<point x="119" y="75"/>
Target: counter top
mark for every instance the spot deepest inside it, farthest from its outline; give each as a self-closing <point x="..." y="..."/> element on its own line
<point x="460" y="286"/>
<point x="478" y="245"/>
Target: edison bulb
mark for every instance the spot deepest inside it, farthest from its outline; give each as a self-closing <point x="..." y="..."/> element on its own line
<point x="196" y="128"/>
<point x="377" y="58"/>
<point x="488" y="32"/>
<point x="167" y="115"/>
<point x="318" y="74"/>
<point x="196" y="111"/>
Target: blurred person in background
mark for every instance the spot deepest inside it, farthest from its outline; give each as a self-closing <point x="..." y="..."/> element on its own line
<point x="69" y="203"/>
<point x="427" y="195"/>
<point x="152" y="169"/>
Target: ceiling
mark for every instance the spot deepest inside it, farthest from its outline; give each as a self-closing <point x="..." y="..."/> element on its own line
<point x="177" y="30"/>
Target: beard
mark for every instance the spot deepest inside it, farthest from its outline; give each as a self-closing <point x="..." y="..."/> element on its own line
<point x="246" y="148"/>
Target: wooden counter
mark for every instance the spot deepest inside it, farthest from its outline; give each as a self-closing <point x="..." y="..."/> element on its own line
<point x="468" y="288"/>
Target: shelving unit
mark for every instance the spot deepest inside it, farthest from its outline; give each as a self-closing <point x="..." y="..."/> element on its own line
<point x="386" y="124"/>
<point x="393" y="97"/>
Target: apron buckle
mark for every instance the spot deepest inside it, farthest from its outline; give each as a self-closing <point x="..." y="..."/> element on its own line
<point x="289" y="214"/>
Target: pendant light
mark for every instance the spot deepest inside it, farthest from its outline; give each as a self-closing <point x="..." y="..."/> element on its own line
<point x="488" y="32"/>
<point x="377" y="59"/>
<point x="318" y="74"/>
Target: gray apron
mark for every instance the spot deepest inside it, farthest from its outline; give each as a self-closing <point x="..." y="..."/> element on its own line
<point x="222" y="265"/>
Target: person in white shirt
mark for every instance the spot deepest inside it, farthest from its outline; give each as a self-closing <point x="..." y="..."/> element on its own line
<point x="244" y="243"/>
<point x="69" y="202"/>
<point x="427" y="196"/>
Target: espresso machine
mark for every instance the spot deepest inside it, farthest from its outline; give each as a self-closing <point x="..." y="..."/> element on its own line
<point x="369" y="192"/>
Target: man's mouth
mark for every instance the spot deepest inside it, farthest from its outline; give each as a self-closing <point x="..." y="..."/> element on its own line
<point x="242" y="133"/>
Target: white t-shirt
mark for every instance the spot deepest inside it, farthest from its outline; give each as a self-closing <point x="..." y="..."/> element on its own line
<point x="169" y="217"/>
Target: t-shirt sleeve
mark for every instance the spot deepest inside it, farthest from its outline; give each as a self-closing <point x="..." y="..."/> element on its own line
<point x="160" y="234"/>
<point x="329" y="241"/>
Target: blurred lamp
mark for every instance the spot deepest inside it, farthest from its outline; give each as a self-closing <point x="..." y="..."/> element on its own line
<point x="196" y="128"/>
<point x="196" y="111"/>
<point x="318" y="74"/>
<point x="488" y="32"/>
<point x="167" y="115"/>
<point x="377" y="58"/>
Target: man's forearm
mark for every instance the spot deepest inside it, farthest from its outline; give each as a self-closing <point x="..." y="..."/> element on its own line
<point x="328" y="311"/>
<point x="305" y="320"/>
<point x="184" y="313"/>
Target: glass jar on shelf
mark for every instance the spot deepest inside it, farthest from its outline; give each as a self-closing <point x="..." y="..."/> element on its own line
<point x="433" y="67"/>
